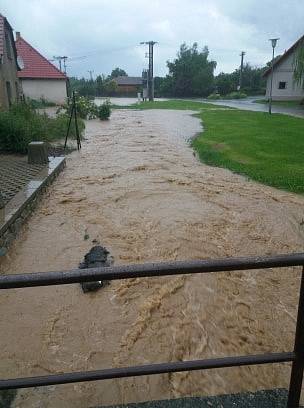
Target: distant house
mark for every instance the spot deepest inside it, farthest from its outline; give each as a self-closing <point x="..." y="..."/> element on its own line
<point x="283" y="87"/>
<point x="128" y="85"/>
<point x="9" y="83"/>
<point x="40" y="79"/>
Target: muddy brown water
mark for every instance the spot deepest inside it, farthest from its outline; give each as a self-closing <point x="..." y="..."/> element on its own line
<point x="137" y="188"/>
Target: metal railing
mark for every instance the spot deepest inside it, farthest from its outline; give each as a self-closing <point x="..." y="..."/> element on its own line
<point x="166" y="269"/>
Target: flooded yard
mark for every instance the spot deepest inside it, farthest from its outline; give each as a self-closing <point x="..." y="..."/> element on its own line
<point x="137" y="188"/>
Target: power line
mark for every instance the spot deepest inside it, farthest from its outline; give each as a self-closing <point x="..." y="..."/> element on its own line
<point x="60" y="59"/>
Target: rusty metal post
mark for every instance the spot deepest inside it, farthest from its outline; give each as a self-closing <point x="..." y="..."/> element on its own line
<point x="296" y="378"/>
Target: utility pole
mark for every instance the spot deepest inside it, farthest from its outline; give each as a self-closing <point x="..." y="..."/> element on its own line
<point x="242" y="55"/>
<point x="91" y="74"/>
<point x="64" y="64"/>
<point x="60" y="59"/>
<point x="150" y="71"/>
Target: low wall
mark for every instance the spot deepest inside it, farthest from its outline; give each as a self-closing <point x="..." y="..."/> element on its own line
<point x="22" y="205"/>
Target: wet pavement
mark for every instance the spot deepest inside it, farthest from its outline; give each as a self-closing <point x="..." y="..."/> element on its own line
<point x="262" y="399"/>
<point x="249" y="104"/>
<point x="137" y="188"/>
<point x="15" y="173"/>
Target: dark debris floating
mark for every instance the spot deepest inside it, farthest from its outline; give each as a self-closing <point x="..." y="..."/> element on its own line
<point x="97" y="257"/>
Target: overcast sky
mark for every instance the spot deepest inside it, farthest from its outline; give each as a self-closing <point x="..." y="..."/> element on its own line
<point x="107" y="33"/>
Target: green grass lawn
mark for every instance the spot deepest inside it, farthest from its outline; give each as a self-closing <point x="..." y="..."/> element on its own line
<point x="170" y="104"/>
<point x="268" y="149"/>
<point x="288" y="104"/>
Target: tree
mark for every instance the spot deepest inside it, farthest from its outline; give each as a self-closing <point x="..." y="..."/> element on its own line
<point x="253" y="81"/>
<point x="225" y="83"/>
<point x="100" y="80"/>
<point x="298" y="64"/>
<point x="83" y="86"/>
<point x="118" y="72"/>
<point x="191" y="73"/>
<point x="110" y="88"/>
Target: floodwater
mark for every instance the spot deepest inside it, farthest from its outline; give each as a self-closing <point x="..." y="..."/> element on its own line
<point x="123" y="101"/>
<point x="137" y="188"/>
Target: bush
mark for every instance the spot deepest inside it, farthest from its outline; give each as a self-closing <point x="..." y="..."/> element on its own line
<point x="214" y="96"/>
<point x="104" y="110"/>
<point x="87" y="109"/>
<point x="236" y="95"/>
<point x="22" y="124"/>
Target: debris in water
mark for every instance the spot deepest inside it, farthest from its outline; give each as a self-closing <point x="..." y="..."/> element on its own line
<point x="97" y="257"/>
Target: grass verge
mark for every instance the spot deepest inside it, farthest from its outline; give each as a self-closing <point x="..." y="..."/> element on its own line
<point x="267" y="149"/>
<point x="287" y="104"/>
<point x="171" y="104"/>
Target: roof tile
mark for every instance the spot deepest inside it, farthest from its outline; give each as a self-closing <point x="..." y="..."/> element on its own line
<point x="35" y="65"/>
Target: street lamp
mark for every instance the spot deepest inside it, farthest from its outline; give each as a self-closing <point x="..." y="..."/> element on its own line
<point x="274" y="42"/>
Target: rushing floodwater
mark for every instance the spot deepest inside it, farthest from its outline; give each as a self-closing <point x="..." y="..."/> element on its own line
<point x="137" y="188"/>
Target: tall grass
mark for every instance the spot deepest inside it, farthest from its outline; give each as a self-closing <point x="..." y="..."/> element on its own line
<point x="21" y="124"/>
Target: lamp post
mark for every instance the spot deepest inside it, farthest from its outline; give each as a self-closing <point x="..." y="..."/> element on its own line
<point x="274" y="42"/>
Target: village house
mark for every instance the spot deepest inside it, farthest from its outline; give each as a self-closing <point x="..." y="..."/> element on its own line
<point x="40" y="79"/>
<point x="9" y="83"/>
<point x="283" y="87"/>
<point x="127" y="85"/>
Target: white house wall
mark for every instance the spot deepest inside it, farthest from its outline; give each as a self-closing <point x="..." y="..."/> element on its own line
<point x="53" y="90"/>
<point x="284" y="73"/>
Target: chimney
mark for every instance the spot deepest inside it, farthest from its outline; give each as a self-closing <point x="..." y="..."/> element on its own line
<point x="18" y="35"/>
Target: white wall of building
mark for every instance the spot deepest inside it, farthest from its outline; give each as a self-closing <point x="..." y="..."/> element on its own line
<point x="53" y="90"/>
<point x="283" y="72"/>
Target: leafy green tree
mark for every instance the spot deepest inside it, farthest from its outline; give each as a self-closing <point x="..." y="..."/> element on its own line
<point x="100" y="81"/>
<point x="191" y="73"/>
<point x="253" y="82"/>
<point x="298" y="64"/>
<point x="83" y="86"/>
<point x="225" y="83"/>
<point x="118" y="72"/>
<point x="110" y="88"/>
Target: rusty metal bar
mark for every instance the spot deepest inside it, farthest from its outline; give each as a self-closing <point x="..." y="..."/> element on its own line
<point x="149" y="270"/>
<point x="296" y="378"/>
<point x="150" y="369"/>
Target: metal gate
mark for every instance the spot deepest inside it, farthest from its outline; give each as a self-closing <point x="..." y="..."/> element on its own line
<point x="165" y="269"/>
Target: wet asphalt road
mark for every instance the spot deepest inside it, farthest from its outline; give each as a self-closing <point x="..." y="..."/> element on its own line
<point x="249" y="104"/>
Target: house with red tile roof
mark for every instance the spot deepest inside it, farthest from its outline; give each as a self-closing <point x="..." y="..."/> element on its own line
<point x="9" y="82"/>
<point x="40" y="79"/>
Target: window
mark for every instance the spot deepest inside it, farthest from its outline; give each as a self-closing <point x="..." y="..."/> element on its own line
<point x="282" y="85"/>
<point x="9" y="93"/>
<point x="8" y="46"/>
